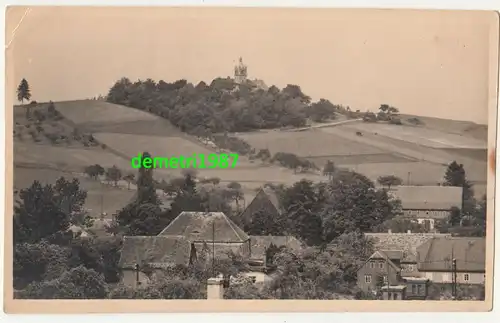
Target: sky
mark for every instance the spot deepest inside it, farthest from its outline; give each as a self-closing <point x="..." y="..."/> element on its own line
<point x="427" y="63"/>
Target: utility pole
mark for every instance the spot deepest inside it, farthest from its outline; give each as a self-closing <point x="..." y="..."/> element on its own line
<point x="213" y="247"/>
<point x="454" y="278"/>
<point x="387" y="272"/>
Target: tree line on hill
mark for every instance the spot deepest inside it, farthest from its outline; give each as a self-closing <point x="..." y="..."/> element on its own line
<point x="223" y="105"/>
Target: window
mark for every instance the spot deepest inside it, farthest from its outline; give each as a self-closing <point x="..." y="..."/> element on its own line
<point x="253" y="278"/>
<point x="419" y="287"/>
<point x="466" y="277"/>
<point x="372" y="264"/>
<point x="385" y="278"/>
<point x="368" y="279"/>
<point x="381" y="265"/>
<point x="413" y="289"/>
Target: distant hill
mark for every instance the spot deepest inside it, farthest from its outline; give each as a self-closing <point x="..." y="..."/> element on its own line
<point x="465" y="128"/>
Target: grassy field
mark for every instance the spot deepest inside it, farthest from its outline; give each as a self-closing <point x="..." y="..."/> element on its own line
<point x="67" y="158"/>
<point x="98" y="195"/>
<point x="422" y="136"/>
<point x="86" y="112"/>
<point x="465" y="128"/>
<point x="308" y="143"/>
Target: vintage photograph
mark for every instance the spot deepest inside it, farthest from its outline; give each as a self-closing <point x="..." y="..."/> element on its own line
<point x="250" y="154"/>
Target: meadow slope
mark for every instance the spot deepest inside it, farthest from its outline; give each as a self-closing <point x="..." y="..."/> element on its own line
<point x="381" y="150"/>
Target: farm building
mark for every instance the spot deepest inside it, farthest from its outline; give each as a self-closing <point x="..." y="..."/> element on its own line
<point x="427" y="204"/>
<point x="193" y="236"/>
<point x="435" y="259"/>
<point x="395" y="264"/>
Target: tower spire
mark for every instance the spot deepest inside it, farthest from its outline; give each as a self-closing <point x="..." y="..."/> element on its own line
<point x="240" y="72"/>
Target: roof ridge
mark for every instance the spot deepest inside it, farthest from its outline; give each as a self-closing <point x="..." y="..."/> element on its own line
<point x="231" y="226"/>
<point x="168" y="226"/>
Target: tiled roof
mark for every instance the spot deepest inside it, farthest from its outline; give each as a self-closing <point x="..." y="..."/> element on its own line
<point x="406" y="243"/>
<point x="394" y="254"/>
<point x="437" y="254"/>
<point x="259" y="244"/>
<point x="428" y="197"/>
<point x="205" y="226"/>
<point x="221" y="250"/>
<point x="155" y="251"/>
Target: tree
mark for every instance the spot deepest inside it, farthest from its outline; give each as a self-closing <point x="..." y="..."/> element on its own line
<point x="455" y="217"/>
<point x="353" y="203"/>
<point x="114" y="174"/>
<point x="329" y="169"/>
<point x="38" y="214"/>
<point x="69" y="196"/>
<point x="389" y="180"/>
<point x="77" y="283"/>
<point x="455" y="176"/>
<point x="129" y="178"/>
<point x="236" y="193"/>
<point x="146" y="190"/>
<point x="93" y="171"/>
<point x="38" y="262"/>
<point x="262" y="224"/>
<point x="23" y="91"/>
<point x="322" y="110"/>
<point x="301" y="204"/>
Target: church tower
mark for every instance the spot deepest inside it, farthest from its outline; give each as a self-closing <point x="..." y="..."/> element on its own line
<point x="240" y="72"/>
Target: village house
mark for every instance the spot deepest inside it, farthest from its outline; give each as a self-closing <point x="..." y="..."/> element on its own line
<point x="428" y="204"/>
<point x="191" y="235"/>
<point x="394" y="265"/>
<point x="266" y="201"/>
<point x="436" y="255"/>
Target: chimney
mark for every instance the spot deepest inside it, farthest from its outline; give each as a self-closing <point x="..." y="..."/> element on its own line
<point x="409" y="231"/>
<point x="389" y="231"/>
<point x="215" y="290"/>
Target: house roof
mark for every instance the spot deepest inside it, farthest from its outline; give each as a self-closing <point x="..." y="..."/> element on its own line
<point x="221" y="250"/>
<point x="428" y="197"/>
<point x="205" y="226"/>
<point x="404" y="243"/>
<point x="259" y="245"/>
<point x="271" y="195"/>
<point x="266" y="200"/>
<point x="382" y="255"/>
<point x="437" y="254"/>
<point x="155" y="251"/>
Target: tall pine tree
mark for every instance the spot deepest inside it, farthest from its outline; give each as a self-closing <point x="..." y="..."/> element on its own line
<point x="23" y="91"/>
<point x="455" y="176"/>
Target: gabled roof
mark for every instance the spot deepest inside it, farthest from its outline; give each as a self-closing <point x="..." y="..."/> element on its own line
<point x="272" y="197"/>
<point x="205" y="226"/>
<point x="267" y="200"/>
<point x="158" y="252"/>
<point x="428" y="197"/>
<point x="437" y="254"/>
<point x="382" y="255"/>
<point x="406" y="243"/>
<point x="259" y="245"/>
